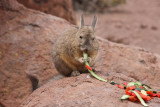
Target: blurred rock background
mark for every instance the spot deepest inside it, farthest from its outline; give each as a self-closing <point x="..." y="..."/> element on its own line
<point x="60" y="8"/>
<point x="95" y="6"/>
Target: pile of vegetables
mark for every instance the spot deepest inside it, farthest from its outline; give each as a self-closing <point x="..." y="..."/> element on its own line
<point x="134" y="91"/>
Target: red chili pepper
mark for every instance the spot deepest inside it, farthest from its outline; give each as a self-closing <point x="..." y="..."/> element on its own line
<point x="132" y="98"/>
<point x="88" y="67"/>
<point x="141" y="87"/>
<point x="145" y="97"/>
<point x="125" y="84"/>
<point x="150" y="93"/>
<point x="133" y="94"/>
<point x="131" y="88"/>
<point x="154" y="95"/>
<point x="128" y="92"/>
<point x="121" y="86"/>
<point x="116" y="85"/>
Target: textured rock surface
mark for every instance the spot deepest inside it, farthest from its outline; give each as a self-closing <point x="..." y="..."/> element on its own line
<point x="26" y="39"/>
<point x="60" y="8"/>
<point x="115" y="62"/>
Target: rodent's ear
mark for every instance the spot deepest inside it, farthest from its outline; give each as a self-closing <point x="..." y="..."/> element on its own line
<point x="81" y="21"/>
<point x="94" y="22"/>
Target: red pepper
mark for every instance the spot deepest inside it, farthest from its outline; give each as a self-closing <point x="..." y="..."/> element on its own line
<point x="150" y="93"/>
<point x="133" y="94"/>
<point x="125" y="84"/>
<point x="128" y="93"/>
<point x="116" y="85"/>
<point x="154" y="95"/>
<point x="132" y="98"/>
<point x="88" y="67"/>
<point x="145" y="97"/>
<point x="141" y="87"/>
<point x="121" y="86"/>
<point x="131" y="88"/>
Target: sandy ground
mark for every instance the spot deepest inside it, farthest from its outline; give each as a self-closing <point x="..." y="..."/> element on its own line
<point x="136" y="23"/>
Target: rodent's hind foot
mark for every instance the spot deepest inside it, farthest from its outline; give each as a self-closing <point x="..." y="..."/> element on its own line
<point x="75" y="73"/>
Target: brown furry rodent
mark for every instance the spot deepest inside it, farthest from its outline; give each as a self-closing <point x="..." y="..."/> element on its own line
<point x="69" y="47"/>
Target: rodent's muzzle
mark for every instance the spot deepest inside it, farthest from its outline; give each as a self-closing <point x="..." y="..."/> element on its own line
<point x="85" y="48"/>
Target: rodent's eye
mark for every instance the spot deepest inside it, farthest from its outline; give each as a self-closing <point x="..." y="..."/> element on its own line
<point x="80" y="37"/>
<point x="93" y="38"/>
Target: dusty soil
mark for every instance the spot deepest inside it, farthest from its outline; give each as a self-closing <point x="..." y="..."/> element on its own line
<point x="136" y="23"/>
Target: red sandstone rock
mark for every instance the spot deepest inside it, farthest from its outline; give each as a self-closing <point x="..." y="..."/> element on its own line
<point x="115" y="62"/>
<point x="26" y="38"/>
<point x="60" y="8"/>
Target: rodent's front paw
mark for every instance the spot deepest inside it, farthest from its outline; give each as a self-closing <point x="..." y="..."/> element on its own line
<point x="82" y="60"/>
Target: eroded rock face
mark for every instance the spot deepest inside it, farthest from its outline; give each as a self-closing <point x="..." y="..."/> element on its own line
<point x="60" y="8"/>
<point x="115" y="62"/>
<point x="26" y="38"/>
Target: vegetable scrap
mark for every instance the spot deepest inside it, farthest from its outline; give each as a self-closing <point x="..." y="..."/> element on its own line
<point x="135" y="91"/>
<point x="85" y="55"/>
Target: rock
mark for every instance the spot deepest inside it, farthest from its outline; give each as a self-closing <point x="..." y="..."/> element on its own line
<point x="60" y="8"/>
<point x="116" y="63"/>
<point x="154" y="28"/>
<point x="26" y="38"/>
<point x="96" y="5"/>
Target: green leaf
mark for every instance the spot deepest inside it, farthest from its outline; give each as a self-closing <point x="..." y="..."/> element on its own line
<point x="146" y="86"/>
<point x="138" y="83"/>
<point x="130" y="84"/>
<point x="112" y="82"/>
<point x="124" y="97"/>
<point x="140" y="99"/>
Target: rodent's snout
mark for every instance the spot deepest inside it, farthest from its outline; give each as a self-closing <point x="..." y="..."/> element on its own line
<point x="84" y="48"/>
